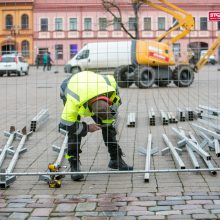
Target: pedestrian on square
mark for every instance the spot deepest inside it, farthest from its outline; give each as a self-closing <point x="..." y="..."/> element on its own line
<point x="37" y="60"/>
<point x="87" y="94"/>
<point x="45" y="60"/>
<point x="50" y="61"/>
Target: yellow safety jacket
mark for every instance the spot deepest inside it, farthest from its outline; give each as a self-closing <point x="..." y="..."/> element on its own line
<point x="81" y="88"/>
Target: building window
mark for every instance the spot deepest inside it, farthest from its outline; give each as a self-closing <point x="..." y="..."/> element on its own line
<point x="58" y="24"/>
<point x="44" y="24"/>
<point x="87" y="24"/>
<point x="161" y="23"/>
<point x="218" y="26"/>
<point x="203" y="24"/>
<point x="73" y="50"/>
<point x="24" y="21"/>
<point x="102" y="24"/>
<point x="25" y="48"/>
<point x="116" y="24"/>
<point x="131" y="24"/>
<point x="59" y="51"/>
<point x="177" y="50"/>
<point x="73" y="24"/>
<point x="147" y="24"/>
<point x="9" y="22"/>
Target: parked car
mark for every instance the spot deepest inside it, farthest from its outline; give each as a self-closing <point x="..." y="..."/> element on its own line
<point x="101" y="56"/>
<point x="13" y="64"/>
<point x="211" y="58"/>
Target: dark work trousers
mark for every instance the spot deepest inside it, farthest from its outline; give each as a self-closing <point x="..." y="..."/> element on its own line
<point x="109" y="137"/>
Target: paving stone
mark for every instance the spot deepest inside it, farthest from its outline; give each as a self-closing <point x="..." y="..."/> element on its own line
<point x="61" y="214"/>
<point x="152" y="217"/>
<point x="16" y="205"/>
<point x="112" y="204"/>
<point x="73" y="200"/>
<point x="41" y="212"/>
<point x="142" y="203"/>
<point x="111" y="214"/>
<point x="19" y="197"/>
<point x="179" y="217"/>
<point x="80" y="214"/>
<point x="195" y="193"/>
<point x="183" y="207"/>
<point x="18" y="216"/>
<point x="215" y="211"/>
<point x="195" y="211"/>
<point x="212" y="206"/>
<point x="99" y="200"/>
<point x="95" y="218"/>
<point x="22" y="200"/>
<point x="65" y="208"/>
<point x="64" y="218"/>
<point x="205" y="197"/>
<point x="199" y="202"/>
<point x="204" y="216"/>
<point x="106" y="208"/>
<point x="217" y="202"/>
<point x="178" y="198"/>
<point x="16" y="210"/>
<point x="170" y="202"/>
<point x="112" y="195"/>
<point x="159" y="208"/>
<point x="125" y="199"/>
<point x="38" y="218"/>
<point x="40" y="205"/>
<point x="86" y="206"/>
<point x="123" y="218"/>
<point x="139" y="213"/>
<point x="152" y="198"/>
<point x="141" y="195"/>
<point x="171" y="212"/>
<point x="133" y="208"/>
<point x="214" y="193"/>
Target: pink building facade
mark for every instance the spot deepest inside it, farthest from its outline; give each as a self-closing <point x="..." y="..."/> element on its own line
<point x="64" y="27"/>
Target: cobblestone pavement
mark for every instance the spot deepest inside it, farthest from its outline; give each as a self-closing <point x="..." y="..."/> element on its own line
<point x="107" y="196"/>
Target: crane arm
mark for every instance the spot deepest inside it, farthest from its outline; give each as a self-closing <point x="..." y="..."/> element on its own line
<point x="184" y="19"/>
<point x="204" y="59"/>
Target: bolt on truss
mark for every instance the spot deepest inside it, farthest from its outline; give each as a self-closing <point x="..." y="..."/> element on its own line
<point x="6" y="179"/>
<point x="8" y="148"/>
<point x="39" y="120"/>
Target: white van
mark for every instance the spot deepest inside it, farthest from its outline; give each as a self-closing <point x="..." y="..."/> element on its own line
<point x="101" y="56"/>
<point x="211" y="58"/>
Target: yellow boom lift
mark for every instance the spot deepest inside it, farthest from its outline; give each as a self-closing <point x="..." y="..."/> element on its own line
<point x="153" y="62"/>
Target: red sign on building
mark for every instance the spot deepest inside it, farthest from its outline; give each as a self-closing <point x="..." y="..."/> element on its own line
<point x="214" y="15"/>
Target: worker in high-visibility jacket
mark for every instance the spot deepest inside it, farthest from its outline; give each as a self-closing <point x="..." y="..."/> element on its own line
<point x="90" y="94"/>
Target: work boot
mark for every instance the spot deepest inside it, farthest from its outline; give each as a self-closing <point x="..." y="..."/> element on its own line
<point x="119" y="164"/>
<point x="75" y="167"/>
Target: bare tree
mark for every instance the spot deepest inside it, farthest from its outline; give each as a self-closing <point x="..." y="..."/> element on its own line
<point x="114" y="9"/>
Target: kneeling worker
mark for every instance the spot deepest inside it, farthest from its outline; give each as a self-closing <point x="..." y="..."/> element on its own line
<point x="90" y="94"/>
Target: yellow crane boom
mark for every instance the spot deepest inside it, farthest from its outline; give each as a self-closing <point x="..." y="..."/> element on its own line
<point x="184" y="19"/>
